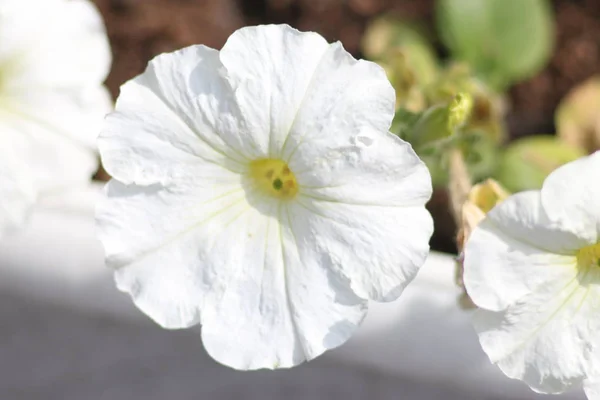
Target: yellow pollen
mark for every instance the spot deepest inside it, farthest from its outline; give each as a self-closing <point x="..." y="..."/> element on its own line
<point x="589" y="256"/>
<point x="274" y="177"/>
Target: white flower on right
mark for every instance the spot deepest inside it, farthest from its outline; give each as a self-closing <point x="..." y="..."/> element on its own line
<point x="54" y="56"/>
<point x="533" y="267"/>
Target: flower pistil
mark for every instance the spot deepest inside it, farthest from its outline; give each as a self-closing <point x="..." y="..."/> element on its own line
<point x="274" y="178"/>
<point x="589" y="256"/>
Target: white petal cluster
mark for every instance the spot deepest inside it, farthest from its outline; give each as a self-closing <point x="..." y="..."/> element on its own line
<point x="54" y="56"/>
<point x="257" y="191"/>
<point x="533" y="267"/>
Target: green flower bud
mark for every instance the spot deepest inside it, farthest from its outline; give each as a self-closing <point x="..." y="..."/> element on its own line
<point x="459" y="110"/>
<point x="488" y="107"/>
<point x="441" y="121"/>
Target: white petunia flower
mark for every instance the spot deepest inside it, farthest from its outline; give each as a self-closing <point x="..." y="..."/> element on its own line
<point x="258" y="192"/>
<point x="54" y="56"/>
<point x="533" y="267"/>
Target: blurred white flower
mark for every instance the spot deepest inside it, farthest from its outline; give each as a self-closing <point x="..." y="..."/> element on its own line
<point x="54" y="56"/>
<point x="17" y="194"/>
<point x="258" y="192"/>
<point x="592" y="389"/>
<point x="533" y="267"/>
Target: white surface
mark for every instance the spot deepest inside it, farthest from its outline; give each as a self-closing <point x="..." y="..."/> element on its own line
<point x="422" y="337"/>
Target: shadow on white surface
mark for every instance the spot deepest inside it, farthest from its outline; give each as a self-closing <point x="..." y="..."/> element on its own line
<point x="67" y="333"/>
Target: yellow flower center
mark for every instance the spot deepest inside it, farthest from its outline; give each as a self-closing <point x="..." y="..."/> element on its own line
<point x="274" y="178"/>
<point x="589" y="256"/>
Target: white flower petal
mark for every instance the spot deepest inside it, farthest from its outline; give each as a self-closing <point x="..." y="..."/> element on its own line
<point x="271" y="68"/>
<point x="378" y="249"/>
<point x="159" y="240"/>
<point x="351" y="106"/>
<point x="53" y="160"/>
<point x="261" y="306"/>
<point x="511" y="252"/>
<point x="60" y="129"/>
<point x="191" y="83"/>
<point x="385" y="173"/>
<point x="281" y="309"/>
<point x="348" y="165"/>
<point x="53" y="60"/>
<point x="178" y="112"/>
<point x="570" y="196"/>
<point x="549" y="338"/>
<point x="16" y="191"/>
<point x="63" y="44"/>
<point x="73" y="114"/>
<point x="53" y="64"/>
<point x="339" y="147"/>
<point x="592" y="389"/>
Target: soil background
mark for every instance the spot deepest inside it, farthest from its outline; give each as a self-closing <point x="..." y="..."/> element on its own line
<point x="140" y="29"/>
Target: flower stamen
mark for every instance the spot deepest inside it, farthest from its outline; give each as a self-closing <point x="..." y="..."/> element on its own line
<point x="589" y="256"/>
<point x="274" y="178"/>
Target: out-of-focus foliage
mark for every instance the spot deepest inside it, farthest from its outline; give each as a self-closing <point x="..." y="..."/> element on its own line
<point x="426" y="90"/>
<point x="487" y="117"/>
<point x="505" y="41"/>
<point x="526" y="162"/>
<point x="420" y="79"/>
<point x="578" y="116"/>
<point x="480" y="200"/>
<point x="493" y="44"/>
<point x="407" y="57"/>
<point x="443" y="126"/>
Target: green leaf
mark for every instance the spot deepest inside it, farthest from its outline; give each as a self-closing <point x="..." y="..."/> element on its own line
<point x="480" y="153"/>
<point x="430" y="127"/>
<point x="526" y="162"/>
<point x="504" y="40"/>
<point x="403" y="123"/>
